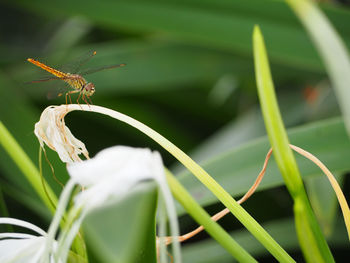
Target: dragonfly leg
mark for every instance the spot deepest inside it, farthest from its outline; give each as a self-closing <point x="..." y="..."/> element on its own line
<point x="90" y="100"/>
<point x="70" y="98"/>
<point x="86" y="101"/>
<point x="68" y="95"/>
<point x="78" y="100"/>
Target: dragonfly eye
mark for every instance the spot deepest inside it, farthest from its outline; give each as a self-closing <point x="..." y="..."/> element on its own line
<point x="89" y="89"/>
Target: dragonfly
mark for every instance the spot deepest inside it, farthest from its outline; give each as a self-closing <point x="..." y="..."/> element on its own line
<point x="76" y="81"/>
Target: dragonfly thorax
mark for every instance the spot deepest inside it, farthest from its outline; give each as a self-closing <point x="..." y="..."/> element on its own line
<point x="79" y="83"/>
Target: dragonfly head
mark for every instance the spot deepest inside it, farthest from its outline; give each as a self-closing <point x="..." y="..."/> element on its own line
<point x="89" y="89"/>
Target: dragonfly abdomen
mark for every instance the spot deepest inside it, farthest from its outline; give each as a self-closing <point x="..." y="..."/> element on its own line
<point x="55" y="72"/>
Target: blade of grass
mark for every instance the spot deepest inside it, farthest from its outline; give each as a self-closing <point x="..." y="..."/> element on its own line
<point x="204" y="219"/>
<point x="312" y="241"/>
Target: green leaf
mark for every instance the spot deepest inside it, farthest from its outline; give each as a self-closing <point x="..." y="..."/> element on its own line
<point x="75" y="258"/>
<point x="124" y="231"/>
<point x="324" y="201"/>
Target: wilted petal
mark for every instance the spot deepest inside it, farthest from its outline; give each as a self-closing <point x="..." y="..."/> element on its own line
<point x="52" y="131"/>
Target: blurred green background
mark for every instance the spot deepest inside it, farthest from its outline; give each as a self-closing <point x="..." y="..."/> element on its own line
<point x="189" y="76"/>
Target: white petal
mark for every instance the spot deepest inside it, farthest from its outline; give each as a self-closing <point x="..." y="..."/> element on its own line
<point x="21" y="250"/>
<point x="17" y="222"/>
<point x="16" y="235"/>
<point x="113" y="162"/>
<point x="21" y="247"/>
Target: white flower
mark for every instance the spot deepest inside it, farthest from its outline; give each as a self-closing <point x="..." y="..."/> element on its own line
<point x="52" y="131"/>
<point x="20" y="247"/>
<point x="109" y="177"/>
<point x="106" y="178"/>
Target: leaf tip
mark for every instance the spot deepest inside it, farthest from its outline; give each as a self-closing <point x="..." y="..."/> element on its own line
<point x="257" y="35"/>
<point x="256" y="32"/>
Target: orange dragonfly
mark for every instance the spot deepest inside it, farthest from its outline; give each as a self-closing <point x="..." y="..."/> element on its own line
<point x="75" y="81"/>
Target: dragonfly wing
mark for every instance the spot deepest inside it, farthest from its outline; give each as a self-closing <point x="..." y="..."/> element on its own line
<point x="90" y="71"/>
<point x="54" y="88"/>
<point x="57" y="91"/>
<point x="75" y="65"/>
<point x="42" y="80"/>
<point x="48" y="79"/>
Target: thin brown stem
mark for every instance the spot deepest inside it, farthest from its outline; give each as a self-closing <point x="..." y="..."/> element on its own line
<point x="341" y="198"/>
<point x="52" y="170"/>
<point x="339" y="193"/>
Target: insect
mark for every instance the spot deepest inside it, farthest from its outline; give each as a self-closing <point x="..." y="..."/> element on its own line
<point x="75" y="81"/>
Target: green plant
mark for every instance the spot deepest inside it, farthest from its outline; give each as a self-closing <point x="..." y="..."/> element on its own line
<point x="189" y="75"/>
